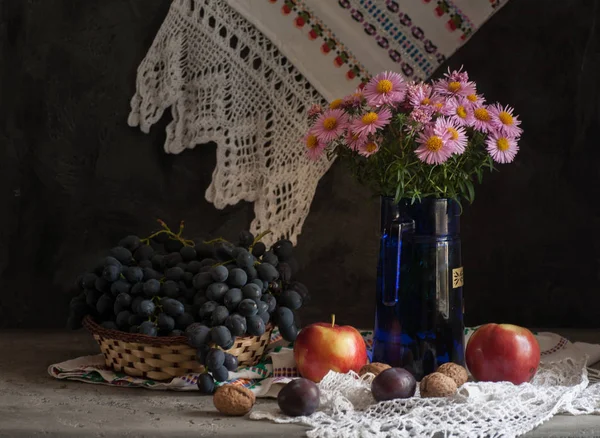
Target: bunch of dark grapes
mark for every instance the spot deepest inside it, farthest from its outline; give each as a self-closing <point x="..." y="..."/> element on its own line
<point x="209" y="291"/>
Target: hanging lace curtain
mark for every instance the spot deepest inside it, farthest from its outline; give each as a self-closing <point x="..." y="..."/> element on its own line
<point x="242" y="74"/>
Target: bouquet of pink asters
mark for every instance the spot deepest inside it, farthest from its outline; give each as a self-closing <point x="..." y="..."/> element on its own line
<point x="414" y="140"/>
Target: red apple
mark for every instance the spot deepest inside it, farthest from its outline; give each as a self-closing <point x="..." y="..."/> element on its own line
<point x="322" y="347"/>
<point x="502" y="353"/>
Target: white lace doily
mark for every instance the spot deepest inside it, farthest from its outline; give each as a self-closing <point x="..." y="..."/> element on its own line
<point x="227" y="83"/>
<point x="477" y="410"/>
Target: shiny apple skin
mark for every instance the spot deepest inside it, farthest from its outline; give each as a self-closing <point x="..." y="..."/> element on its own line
<point x="322" y="347"/>
<point x="503" y="353"/>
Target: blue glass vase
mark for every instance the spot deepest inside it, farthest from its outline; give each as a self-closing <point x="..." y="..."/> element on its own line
<point x="419" y="312"/>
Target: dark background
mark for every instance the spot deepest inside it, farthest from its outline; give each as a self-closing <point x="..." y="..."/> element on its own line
<point x="74" y="178"/>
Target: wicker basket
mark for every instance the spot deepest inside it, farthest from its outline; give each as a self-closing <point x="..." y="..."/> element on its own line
<point x="162" y="358"/>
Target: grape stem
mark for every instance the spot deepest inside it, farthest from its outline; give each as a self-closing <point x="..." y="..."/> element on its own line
<point x="171" y="234"/>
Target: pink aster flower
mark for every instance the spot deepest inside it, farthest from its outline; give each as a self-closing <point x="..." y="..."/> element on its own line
<point x="372" y="121"/>
<point x="354" y="100"/>
<point x="314" y="146"/>
<point x="474" y="100"/>
<point x="355" y="140"/>
<point x="458" y="135"/>
<point x="315" y="110"/>
<point x="502" y="148"/>
<point x="368" y="148"/>
<point x="387" y="87"/>
<point x="504" y="121"/>
<point x="459" y="111"/>
<point x="482" y="119"/>
<point x="420" y="115"/>
<point x="434" y="147"/>
<point x="330" y="125"/>
<point x="419" y="95"/>
<point x="455" y="83"/>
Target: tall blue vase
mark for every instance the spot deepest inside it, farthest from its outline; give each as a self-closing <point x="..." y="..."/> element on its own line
<point x="419" y="312"/>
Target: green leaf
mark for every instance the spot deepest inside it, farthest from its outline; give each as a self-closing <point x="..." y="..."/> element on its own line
<point x="471" y="189"/>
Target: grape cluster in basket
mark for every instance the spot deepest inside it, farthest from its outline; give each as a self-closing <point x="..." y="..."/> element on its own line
<point x="210" y="291"/>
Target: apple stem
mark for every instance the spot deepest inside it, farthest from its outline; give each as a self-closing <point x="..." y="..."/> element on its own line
<point x="332" y="319"/>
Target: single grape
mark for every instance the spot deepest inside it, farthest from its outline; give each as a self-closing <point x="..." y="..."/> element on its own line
<point x="144" y="252"/>
<point x="188" y="253"/>
<point x="247" y="307"/>
<point x="146" y="308"/>
<point x="251" y="272"/>
<point x="244" y="259"/>
<point x="145" y="264"/>
<point x="135" y="303"/>
<point x="258" y="282"/>
<point x="169" y="289"/>
<point x="133" y="274"/>
<point x="290" y="298"/>
<point x="158" y="262"/>
<point x="236" y="324"/>
<point x="237" y="278"/>
<point x="173" y="259"/>
<point x="301" y="289"/>
<point x="219" y="273"/>
<point x="207" y="309"/>
<point x="300" y="397"/>
<point x="120" y="287"/>
<point x="219" y="315"/>
<point x="262" y="307"/>
<point x="230" y="362"/>
<point x="216" y="291"/>
<point x="289" y="333"/>
<point x="258" y="249"/>
<point x="174" y="273"/>
<point x="199" y="299"/>
<point x="110" y="325"/>
<point x="204" y="250"/>
<point x="208" y="262"/>
<point x="270" y="258"/>
<point x="105" y="304"/>
<point x="285" y="272"/>
<point x="236" y="251"/>
<point x="206" y="383"/>
<point x="265" y="316"/>
<point x="88" y="281"/>
<point x="283" y="249"/>
<point x="111" y="273"/>
<point x="252" y="291"/>
<point x="124" y="300"/>
<point x="172" y="307"/>
<point x="161" y="238"/>
<point x="187" y="278"/>
<point x="198" y="336"/>
<point x="91" y="297"/>
<point x="151" y="274"/>
<point x="148" y="328"/>
<point x="193" y="267"/>
<point x="393" y="383"/>
<point x="165" y="322"/>
<point x="102" y="285"/>
<point x="130" y="242"/>
<point x="255" y="325"/>
<point x="201" y="353"/>
<point x="284" y="317"/>
<point x="215" y="359"/>
<point x="271" y="302"/>
<point x="202" y="280"/>
<point x="183" y="321"/>
<point x="232" y="298"/>
<point x="123" y="319"/>
<point x="267" y="272"/>
<point x="152" y="288"/>
<point x="205" y="269"/>
<point x="221" y="336"/>
<point x="173" y="245"/>
<point x="123" y="255"/>
<point x="246" y="238"/>
<point x="111" y="261"/>
<point x="223" y="250"/>
<point x="221" y="374"/>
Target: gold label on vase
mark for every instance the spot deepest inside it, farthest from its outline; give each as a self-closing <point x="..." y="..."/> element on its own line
<point x="458" y="279"/>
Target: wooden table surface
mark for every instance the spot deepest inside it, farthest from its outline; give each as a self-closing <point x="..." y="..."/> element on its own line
<point x="34" y="404"/>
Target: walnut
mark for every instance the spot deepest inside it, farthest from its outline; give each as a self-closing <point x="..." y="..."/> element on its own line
<point x="455" y="372"/>
<point x="374" y="368"/>
<point x="234" y="400"/>
<point x="437" y="385"/>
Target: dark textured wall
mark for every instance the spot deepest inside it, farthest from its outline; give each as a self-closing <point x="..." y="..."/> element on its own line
<point x="74" y="178"/>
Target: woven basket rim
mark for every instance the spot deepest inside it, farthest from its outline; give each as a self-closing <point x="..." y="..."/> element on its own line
<point x="96" y="329"/>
